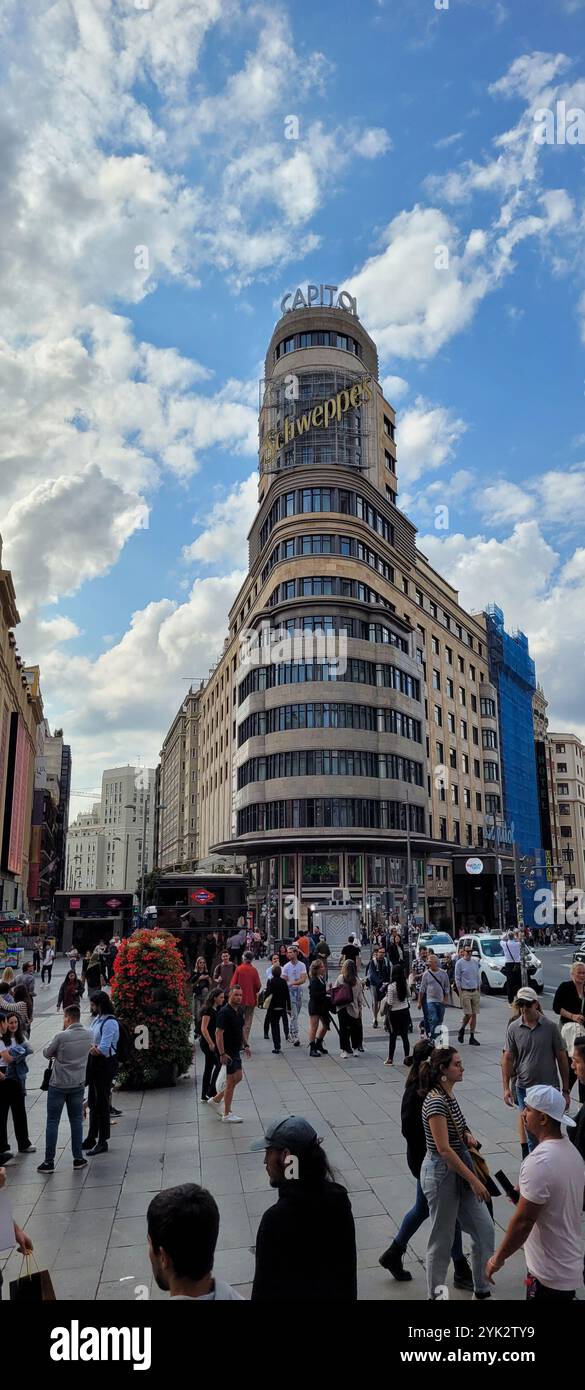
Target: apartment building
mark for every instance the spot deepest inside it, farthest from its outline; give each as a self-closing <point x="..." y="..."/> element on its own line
<point x="566" y="764"/>
<point x="178" y="831"/>
<point x="84" y="858"/>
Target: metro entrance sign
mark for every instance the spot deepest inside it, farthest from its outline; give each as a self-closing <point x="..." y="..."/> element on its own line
<point x="201" y="896"/>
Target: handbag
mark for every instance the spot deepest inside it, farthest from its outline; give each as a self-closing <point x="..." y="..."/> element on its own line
<point x="36" y="1286"/>
<point x="221" y="1079"/>
<point x="47" y="1076"/>
<point x="340" y="996"/>
<point x="478" y="1163"/>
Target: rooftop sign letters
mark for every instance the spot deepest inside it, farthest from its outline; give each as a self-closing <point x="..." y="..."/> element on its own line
<point x="325" y="296"/>
<point x="320" y="417"/>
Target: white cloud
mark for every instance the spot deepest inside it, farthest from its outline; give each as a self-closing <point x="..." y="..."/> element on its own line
<point x="373" y="143"/>
<point x="538" y="595"/>
<point x="448" y="140"/>
<point x="225" y="537"/>
<point x="394" y="387"/>
<point x="559" y="496"/>
<point x="504" y="502"/>
<point x="427" y="436"/>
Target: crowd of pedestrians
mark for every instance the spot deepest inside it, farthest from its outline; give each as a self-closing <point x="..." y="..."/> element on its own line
<point x="542" y="1063"/>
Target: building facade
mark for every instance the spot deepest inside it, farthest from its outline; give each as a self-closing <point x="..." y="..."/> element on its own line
<point x="21" y="713"/>
<point x="177" y="830"/>
<point x="567" y="796"/>
<point x="348" y="734"/>
<point x="85" y="852"/>
<point x="112" y="846"/>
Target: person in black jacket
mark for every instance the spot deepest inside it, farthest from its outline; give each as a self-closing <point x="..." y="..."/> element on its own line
<point x="278" y="997"/>
<point x="395" y="951"/>
<point x="413" y="1131"/>
<point x="311" y="1208"/>
<point x="319" y="1017"/>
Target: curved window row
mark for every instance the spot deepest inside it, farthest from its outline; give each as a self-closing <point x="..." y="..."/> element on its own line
<point x="317" y="339"/>
<point x="312" y="813"/>
<point x="301" y="672"/>
<point x="488" y="707"/>
<point x="326" y="585"/>
<point x="330" y="762"/>
<point x="323" y="715"/>
<point x="353" y="627"/>
<point x="326" y="499"/>
<point x="329" y="545"/>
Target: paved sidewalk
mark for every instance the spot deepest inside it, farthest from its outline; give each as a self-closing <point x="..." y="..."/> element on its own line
<point x="89" y="1227"/>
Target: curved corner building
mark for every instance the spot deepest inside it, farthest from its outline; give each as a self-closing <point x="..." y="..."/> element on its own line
<point x="351" y="699"/>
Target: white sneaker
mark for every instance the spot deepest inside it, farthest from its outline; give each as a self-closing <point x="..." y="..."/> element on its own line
<point x="232" y="1119"/>
<point x="343" y="1054"/>
<point x="203" y="1100"/>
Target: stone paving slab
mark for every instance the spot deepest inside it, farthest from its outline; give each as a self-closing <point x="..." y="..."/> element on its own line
<point x="89" y="1226"/>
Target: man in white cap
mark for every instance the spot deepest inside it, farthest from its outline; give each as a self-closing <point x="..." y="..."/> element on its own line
<point x="547" y="1218"/>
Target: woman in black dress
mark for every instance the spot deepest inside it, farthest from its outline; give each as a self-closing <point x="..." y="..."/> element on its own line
<point x="395" y="950"/>
<point x="208" y="1024"/>
<point x="319" y="1017"/>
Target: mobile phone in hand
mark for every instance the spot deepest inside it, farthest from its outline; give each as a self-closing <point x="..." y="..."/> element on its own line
<point x="508" y="1187"/>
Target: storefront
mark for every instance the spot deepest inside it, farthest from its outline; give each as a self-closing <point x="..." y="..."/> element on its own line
<point x="475" y="890"/>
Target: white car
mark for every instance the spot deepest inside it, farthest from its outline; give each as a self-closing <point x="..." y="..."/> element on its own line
<point x="490" y="950"/>
<point x="438" y="941"/>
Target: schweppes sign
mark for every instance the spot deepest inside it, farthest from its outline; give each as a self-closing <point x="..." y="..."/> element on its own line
<point x="319" y="418"/>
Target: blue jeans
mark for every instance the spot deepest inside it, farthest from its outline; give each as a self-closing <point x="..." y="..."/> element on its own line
<point x="415" y="1218"/>
<point x="435" y="1016"/>
<point x="56" y="1099"/>
<point x="520" y="1102"/>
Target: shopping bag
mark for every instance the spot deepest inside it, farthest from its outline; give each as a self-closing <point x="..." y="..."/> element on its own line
<point x="221" y="1080"/>
<point x="36" y="1286"/>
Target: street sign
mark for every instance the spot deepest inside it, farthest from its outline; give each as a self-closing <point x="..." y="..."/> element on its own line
<point x="201" y="896"/>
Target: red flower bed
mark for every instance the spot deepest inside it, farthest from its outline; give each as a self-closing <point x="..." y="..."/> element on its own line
<point x="150" y="990"/>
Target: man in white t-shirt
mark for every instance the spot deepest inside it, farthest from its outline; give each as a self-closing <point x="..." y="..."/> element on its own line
<point x="295" y="974"/>
<point x="547" y="1219"/>
<point x="183" y="1226"/>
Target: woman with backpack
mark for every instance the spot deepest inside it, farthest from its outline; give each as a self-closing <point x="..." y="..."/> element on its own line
<point x="397" y="1015"/>
<point x="101" y="1069"/>
<point x="348" y="996"/>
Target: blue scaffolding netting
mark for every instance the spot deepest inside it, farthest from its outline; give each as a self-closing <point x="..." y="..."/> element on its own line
<point x="512" y="671"/>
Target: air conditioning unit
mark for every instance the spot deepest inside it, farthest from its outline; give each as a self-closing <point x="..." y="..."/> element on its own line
<point x="340" y="896"/>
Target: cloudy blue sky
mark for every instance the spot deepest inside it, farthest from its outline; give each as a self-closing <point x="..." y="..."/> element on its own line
<point x="154" y="212"/>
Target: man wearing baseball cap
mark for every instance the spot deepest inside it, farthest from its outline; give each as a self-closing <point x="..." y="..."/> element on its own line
<point x="547" y="1218"/>
<point x="305" y="1246"/>
<point x="534" y="1053"/>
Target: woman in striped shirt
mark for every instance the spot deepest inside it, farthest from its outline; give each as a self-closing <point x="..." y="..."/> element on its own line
<point x="448" y="1179"/>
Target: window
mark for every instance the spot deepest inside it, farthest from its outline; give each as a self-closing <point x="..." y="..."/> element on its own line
<point x="449" y="688"/>
<point x="448" y="656"/>
<point x="456" y="832"/>
<point x="493" y="804"/>
<point x="453" y="757"/>
<point x="388" y="427"/>
<point x="478" y="801"/>
<point x="389" y="461"/>
<point x="461" y="664"/>
<point x="472" y="672"/>
<point x="455" y="795"/>
<point x="488" y="738"/>
<point x="405" y="585"/>
<point x="436" y="680"/>
<point x="561" y="767"/>
<point x="467" y="798"/>
<point x="433" y="609"/>
<point x="463" y="728"/>
<point x="419" y="597"/>
<point x="435" y="646"/>
<point x="491" y="772"/>
<point x="476" y="768"/>
<point x="469" y="831"/>
<point x="451" y="723"/>
<point x="438" y="716"/>
<point x="487" y="707"/>
<point x="564" y="810"/>
<point x="462" y="696"/>
<point x="562" y="788"/>
<point x="560" y="748"/>
<point x="440" y="754"/>
<point x="443" y="828"/>
<point x="475" y="732"/>
<point x="566" y="832"/>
